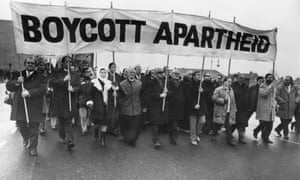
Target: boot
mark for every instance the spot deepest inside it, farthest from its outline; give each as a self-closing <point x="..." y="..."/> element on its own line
<point x="102" y="140"/>
<point x="96" y="133"/>
<point x="242" y="138"/>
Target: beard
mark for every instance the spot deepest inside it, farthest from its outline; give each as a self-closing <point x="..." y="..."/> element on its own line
<point x="269" y="81"/>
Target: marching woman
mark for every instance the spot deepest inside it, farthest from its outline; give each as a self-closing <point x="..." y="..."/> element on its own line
<point x="97" y="102"/>
<point x="130" y="107"/>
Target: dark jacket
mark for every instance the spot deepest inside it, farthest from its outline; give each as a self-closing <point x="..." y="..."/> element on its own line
<point x="61" y="94"/>
<point x="95" y="95"/>
<point x="241" y="95"/>
<point x="253" y="97"/>
<point x="36" y="85"/>
<point x="155" y="114"/>
<point x="192" y="96"/>
<point x="176" y="101"/>
<point x="84" y="86"/>
<point x="130" y="101"/>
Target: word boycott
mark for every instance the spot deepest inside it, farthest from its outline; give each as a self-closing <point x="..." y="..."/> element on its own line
<point x="35" y="30"/>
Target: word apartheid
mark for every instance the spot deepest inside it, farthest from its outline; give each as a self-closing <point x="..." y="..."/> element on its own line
<point x="61" y="30"/>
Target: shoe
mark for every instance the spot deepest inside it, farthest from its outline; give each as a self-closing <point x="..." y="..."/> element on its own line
<point x="278" y="133"/>
<point x="231" y="143"/>
<point x="293" y="124"/>
<point x="83" y="133"/>
<point x="173" y="141"/>
<point x="157" y="145"/>
<point x="268" y="141"/>
<point x="62" y="141"/>
<point x="102" y="140"/>
<point x="194" y="143"/>
<point x="132" y="143"/>
<point x="70" y="145"/>
<point x="198" y="139"/>
<point x="255" y="132"/>
<point x="42" y="131"/>
<point x="33" y="152"/>
<point x="242" y="141"/>
<point x="286" y="137"/>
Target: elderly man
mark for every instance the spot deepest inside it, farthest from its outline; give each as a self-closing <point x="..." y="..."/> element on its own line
<point x="29" y="88"/>
<point x="266" y="106"/>
<point x="286" y="99"/>
<point x="130" y="107"/>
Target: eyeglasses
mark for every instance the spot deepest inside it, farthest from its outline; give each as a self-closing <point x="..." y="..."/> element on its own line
<point x="30" y="63"/>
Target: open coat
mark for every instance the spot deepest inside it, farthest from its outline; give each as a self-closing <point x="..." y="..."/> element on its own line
<point x="220" y="106"/>
<point x="266" y="103"/>
<point x="36" y="85"/>
<point x="286" y="101"/>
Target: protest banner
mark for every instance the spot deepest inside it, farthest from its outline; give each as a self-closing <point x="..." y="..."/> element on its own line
<point x="46" y="29"/>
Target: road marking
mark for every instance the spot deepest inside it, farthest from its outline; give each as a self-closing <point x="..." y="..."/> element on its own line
<point x="293" y="142"/>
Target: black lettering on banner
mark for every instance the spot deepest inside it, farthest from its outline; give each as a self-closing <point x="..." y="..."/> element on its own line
<point x="163" y="33"/>
<point x="230" y="40"/>
<point x="59" y="29"/>
<point x="109" y="35"/>
<point x="138" y="29"/>
<point x="192" y="37"/>
<point x="221" y="33"/>
<point x="207" y="36"/>
<point x="180" y="31"/>
<point x="71" y="27"/>
<point x="82" y="30"/>
<point x="264" y="44"/>
<point x="34" y="28"/>
<point x="254" y="44"/>
<point x="122" y="23"/>
<point x="245" y="41"/>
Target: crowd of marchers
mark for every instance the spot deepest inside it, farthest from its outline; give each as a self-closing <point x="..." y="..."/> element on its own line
<point x="103" y="102"/>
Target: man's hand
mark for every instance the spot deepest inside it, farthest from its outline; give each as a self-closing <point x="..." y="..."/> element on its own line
<point x="20" y="79"/>
<point x="163" y="95"/>
<point x="67" y="77"/>
<point x="200" y="89"/>
<point x="144" y="110"/>
<point x="90" y="104"/>
<point x="197" y="106"/>
<point x="25" y="93"/>
<point x="70" y="88"/>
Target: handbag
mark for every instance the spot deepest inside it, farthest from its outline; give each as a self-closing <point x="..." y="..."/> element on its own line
<point x="8" y="99"/>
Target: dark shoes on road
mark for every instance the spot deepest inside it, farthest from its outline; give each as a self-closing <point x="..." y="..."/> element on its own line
<point x="157" y="144"/>
<point x="33" y="152"/>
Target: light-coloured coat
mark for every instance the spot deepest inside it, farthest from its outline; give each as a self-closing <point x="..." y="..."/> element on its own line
<point x="266" y="103"/>
<point x="220" y="108"/>
<point x="286" y="101"/>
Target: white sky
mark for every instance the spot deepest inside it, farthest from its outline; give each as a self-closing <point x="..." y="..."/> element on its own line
<point x="257" y="14"/>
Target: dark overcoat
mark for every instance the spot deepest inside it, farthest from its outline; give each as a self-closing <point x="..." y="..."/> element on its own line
<point x="192" y="95"/>
<point x="60" y="95"/>
<point x="155" y="114"/>
<point x="241" y="95"/>
<point x="36" y="85"/>
<point x="176" y="101"/>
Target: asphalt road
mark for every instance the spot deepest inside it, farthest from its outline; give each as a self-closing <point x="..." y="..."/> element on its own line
<point x="210" y="160"/>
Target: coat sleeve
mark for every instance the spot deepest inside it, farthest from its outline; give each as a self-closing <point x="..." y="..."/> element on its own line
<point x="279" y="99"/>
<point x="265" y="90"/>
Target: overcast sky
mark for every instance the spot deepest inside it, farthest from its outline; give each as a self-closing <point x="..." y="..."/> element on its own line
<point x="257" y="14"/>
